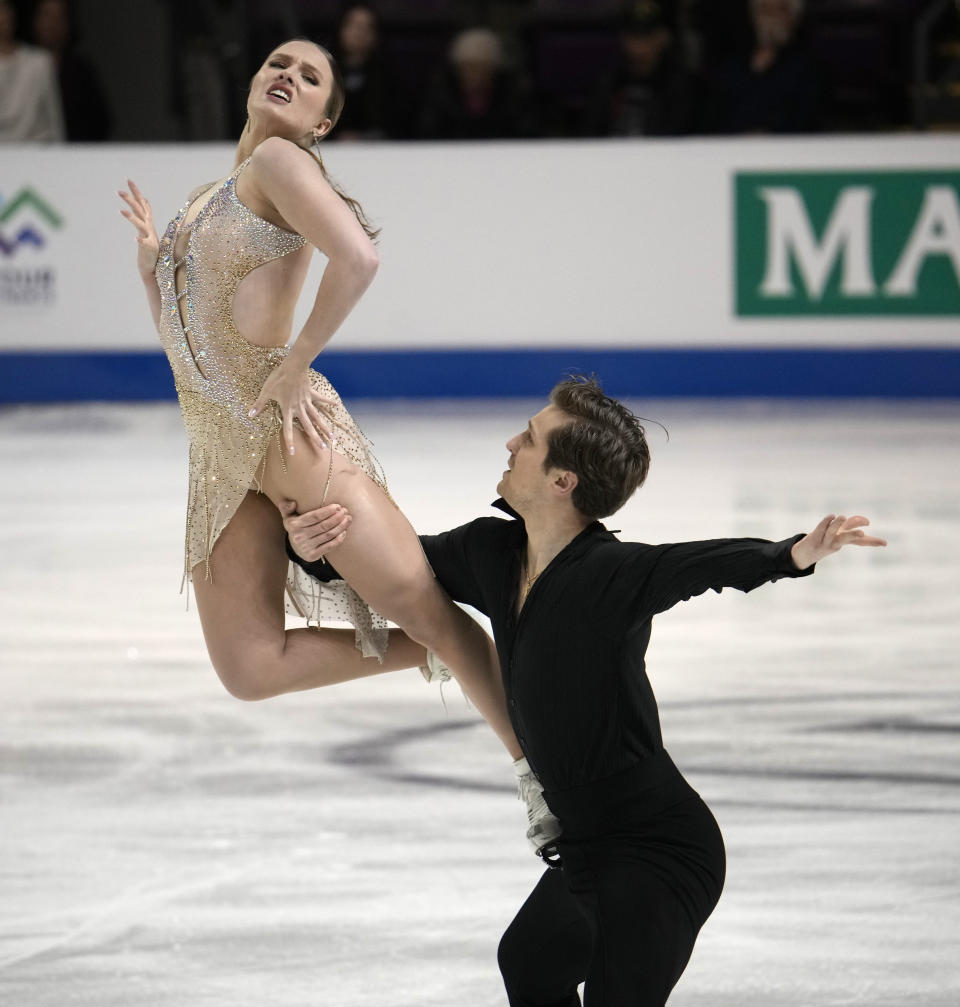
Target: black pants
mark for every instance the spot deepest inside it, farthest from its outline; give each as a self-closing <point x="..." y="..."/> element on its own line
<point x="623" y="913"/>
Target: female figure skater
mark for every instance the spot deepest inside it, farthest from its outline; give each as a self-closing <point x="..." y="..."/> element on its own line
<point x="222" y="283"/>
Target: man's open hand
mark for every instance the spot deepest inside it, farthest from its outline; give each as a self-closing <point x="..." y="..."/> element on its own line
<point x="831" y="535"/>
<point x="315" y="533"/>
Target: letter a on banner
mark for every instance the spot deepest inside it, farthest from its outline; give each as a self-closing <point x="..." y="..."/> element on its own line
<point x="937" y="232"/>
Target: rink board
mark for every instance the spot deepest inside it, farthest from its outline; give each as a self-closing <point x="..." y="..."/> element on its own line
<point x="740" y="267"/>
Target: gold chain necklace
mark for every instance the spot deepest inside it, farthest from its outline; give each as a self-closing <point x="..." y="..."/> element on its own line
<point x="528" y="583"/>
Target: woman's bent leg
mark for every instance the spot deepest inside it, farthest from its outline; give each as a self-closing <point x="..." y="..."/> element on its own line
<point x="241" y="608"/>
<point x="382" y="560"/>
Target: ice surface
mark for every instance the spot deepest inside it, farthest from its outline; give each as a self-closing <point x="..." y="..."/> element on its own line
<point x="163" y="844"/>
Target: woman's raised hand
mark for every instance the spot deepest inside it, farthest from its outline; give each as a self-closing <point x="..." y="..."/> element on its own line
<point x="141" y="216"/>
<point x="298" y="400"/>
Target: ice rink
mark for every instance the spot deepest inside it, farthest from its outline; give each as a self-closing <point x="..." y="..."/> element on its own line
<point x="163" y="844"/>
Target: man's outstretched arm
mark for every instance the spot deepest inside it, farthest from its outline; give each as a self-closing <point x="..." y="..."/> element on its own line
<point x="652" y="579"/>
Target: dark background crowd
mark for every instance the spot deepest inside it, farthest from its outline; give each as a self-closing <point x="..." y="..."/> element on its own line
<point x="455" y="69"/>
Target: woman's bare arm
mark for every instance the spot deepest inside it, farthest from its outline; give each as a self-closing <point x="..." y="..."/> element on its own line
<point x="288" y="179"/>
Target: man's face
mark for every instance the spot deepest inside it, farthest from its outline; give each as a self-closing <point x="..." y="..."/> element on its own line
<point x="525" y="484"/>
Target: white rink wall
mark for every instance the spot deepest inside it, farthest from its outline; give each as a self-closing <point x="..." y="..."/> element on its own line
<point x="501" y="247"/>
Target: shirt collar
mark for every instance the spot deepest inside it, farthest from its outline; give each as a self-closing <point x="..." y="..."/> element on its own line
<point x="592" y="529"/>
<point x="502" y="504"/>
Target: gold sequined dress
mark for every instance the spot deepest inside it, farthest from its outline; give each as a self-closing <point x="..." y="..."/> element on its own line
<point x="219" y="374"/>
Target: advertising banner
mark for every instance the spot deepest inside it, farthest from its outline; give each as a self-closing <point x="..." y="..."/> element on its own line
<point x="824" y="244"/>
<point x="683" y="267"/>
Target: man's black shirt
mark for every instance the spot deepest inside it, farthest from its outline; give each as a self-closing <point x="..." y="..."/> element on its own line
<point x="573" y="659"/>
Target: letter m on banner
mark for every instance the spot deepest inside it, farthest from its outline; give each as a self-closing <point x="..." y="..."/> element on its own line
<point x="851" y="243"/>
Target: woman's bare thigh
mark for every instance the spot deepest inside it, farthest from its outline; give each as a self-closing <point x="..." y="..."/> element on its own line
<point x="381" y="558"/>
<point x="241" y="602"/>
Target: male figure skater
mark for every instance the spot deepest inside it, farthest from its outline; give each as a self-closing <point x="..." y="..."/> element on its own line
<point x="571" y="609"/>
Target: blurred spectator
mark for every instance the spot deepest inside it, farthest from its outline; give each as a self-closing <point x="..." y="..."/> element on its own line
<point x="29" y="98"/>
<point x="365" y="115"/>
<point x="85" y="110"/>
<point x="210" y="73"/>
<point x="650" y="92"/>
<point x="477" y="97"/>
<point x="775" y="86"/>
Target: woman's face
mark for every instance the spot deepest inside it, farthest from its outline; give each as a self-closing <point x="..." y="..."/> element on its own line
<point x="289" y="94"/>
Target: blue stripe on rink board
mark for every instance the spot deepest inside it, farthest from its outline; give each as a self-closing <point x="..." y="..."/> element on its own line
<point x="780" y="373"/>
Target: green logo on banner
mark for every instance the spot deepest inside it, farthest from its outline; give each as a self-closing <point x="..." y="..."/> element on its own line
<point x="23" y="280"/>
<point x="27" y="197"/>
<point x="850" y="243"/>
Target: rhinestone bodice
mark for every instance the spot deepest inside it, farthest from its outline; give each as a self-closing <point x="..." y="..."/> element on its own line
<point x="208" y="355"/>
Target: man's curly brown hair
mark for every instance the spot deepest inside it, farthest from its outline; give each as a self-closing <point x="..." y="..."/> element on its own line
<point x="603" y="444"/>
